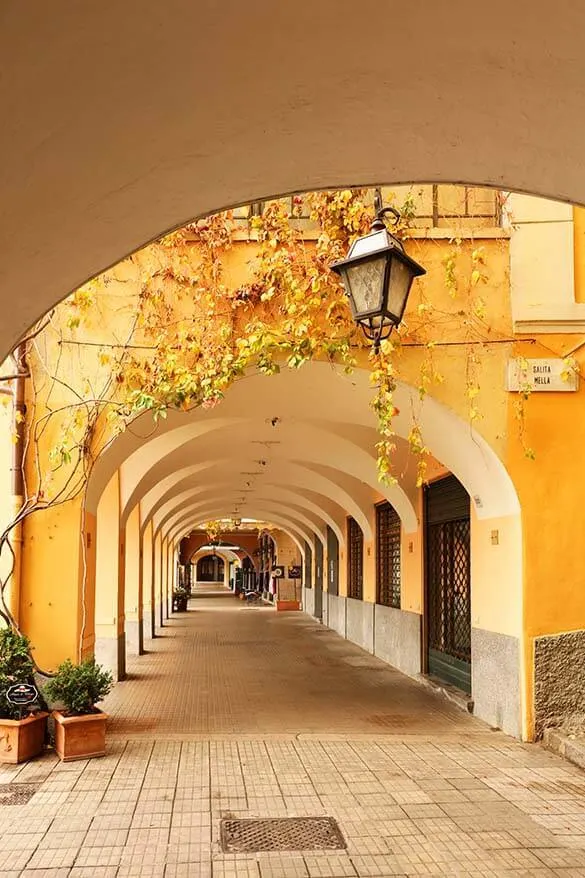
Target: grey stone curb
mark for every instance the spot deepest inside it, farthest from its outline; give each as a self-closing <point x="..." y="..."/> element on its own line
<point x="455" y="696"/>
<point x="569" y="748"/>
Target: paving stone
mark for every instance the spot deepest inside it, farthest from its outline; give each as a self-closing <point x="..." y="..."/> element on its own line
<point x="154" y="870"/>
<point x="206" y="738"/>
<point x="238" y="696"/>
<point x="41" y="873"/>
<point x="283" y="865"/>
<point x="329" y="866"/>
<point x="94" y="872"/>
<point x="187" y="870"/>
<point x="52" y="858"/>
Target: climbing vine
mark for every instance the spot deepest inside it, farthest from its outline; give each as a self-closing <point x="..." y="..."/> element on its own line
<point x="190" y="332"/>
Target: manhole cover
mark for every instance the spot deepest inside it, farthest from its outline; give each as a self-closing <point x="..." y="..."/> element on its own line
<point x="286" y="834"/>
<point x="16" y="793"/>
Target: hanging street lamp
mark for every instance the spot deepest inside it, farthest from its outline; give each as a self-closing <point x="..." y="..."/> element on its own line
<point x="377" y="275"/>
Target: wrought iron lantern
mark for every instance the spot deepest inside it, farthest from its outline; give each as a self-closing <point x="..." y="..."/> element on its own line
<point x="377" y="275"/>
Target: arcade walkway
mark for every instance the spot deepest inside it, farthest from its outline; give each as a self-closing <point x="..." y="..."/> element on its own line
<point x="238" y="712"/>
<point x="228" y="668"/>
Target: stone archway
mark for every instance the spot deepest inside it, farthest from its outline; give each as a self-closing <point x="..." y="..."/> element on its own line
<point x="99" y="165"/>
<point x="327" y="460"/>
<point x="209" y="567"/>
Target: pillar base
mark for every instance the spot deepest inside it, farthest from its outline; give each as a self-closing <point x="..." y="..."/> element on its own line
<point x="148" y="620"/>
<point x="134" y="637"/>
<point x="111" y="653"/>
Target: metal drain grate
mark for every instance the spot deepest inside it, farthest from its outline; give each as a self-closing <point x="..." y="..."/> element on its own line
<point x="285" y="834"/>
<point x="17" y="793"/>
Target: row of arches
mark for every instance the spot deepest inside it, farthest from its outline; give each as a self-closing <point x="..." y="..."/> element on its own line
<point x="306" y="476"/>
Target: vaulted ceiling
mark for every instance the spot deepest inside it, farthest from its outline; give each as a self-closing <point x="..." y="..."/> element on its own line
<point x="296" y="449"/>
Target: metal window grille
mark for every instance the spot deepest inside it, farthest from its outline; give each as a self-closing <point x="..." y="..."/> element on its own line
<point x="449" y="612"/>
<point x="427" y="205"/>
<point x="355" y="560"/>
<point x="387" y="556"/>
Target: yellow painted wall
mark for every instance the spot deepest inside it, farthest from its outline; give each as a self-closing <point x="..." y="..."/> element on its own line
<point x="549" y="588"/>
<point x="369" y="571"/>
<point x="157" y="575"/>
<point x="343" y="585"/>
<point x="109" y="564"/>
<point x="171" y="567"/>
<point x="88" y="558"/>
<point x="411" y="568"/>
<point x="164" y="575"/>
<point x="9" y="505"/>
<point x="148" y="598"/>
<point x="114" y="310"/>
<point x="133" y="573"/>
<point x="553" y="518"/>
<point x="50" y="589"/>
<point x="496" y="569"/>
<point x="579" y="253"/>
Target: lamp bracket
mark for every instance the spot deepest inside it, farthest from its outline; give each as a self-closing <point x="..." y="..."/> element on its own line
<point x="379" y="223"/>
<point x="376" y="334"/>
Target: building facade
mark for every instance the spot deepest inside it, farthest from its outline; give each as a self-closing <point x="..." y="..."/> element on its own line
<point x="467" y="573"/>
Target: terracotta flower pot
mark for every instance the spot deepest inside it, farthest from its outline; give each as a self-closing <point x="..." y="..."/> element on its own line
<point x="287" y="605"/>
<point x="80" y="737"/>
<point x="21" y="739"/>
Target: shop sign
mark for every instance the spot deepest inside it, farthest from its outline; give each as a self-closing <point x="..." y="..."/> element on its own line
<point x="22" y="694"/>
<point x="294" y="571"/>
<point x="278" y="572"/>
<point x="534" y="375"/>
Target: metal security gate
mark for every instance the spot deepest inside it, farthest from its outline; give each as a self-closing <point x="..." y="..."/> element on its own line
<point x="318" y="579"/>
<point x="308" y="580"/>
<point x="448" y="582"/>
<point x="332" y="562"/>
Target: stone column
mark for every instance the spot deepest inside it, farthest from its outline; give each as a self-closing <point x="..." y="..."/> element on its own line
<point x="110" y="649"/>
<point x="133" y="584"/>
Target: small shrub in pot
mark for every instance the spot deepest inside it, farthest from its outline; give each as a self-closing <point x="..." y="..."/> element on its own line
<point x="80" y="728"/>
<point x="79" y="687"/>
<point x="21" y="737"/>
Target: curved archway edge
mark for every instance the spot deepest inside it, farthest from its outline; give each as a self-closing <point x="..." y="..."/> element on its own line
<point x="349" y="114"/>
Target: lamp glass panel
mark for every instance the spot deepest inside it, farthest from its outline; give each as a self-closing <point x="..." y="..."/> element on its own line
<point x="368" y="244"/>
<point x="366" y="284"/>
<point x="399" y="286"/>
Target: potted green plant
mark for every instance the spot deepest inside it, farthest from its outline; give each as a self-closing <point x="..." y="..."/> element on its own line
<point x="80" y="727"/>
<point x="22" y="725"/>
<point x="180" y="599"/>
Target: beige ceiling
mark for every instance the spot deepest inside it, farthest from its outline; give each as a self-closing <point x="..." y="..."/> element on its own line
<point x="296" y="449"/>
<point x="124" y="119"/>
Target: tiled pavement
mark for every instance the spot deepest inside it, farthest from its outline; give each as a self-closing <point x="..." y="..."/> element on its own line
<point x="430" y="791"/>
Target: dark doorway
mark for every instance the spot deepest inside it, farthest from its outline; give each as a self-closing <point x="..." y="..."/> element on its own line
<point x="318" y="579"/>
<point x="210" y="569"/>
<point x="448" y="582"/>
<point x="332" y="562"/>
<point x="308" y="579"/>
